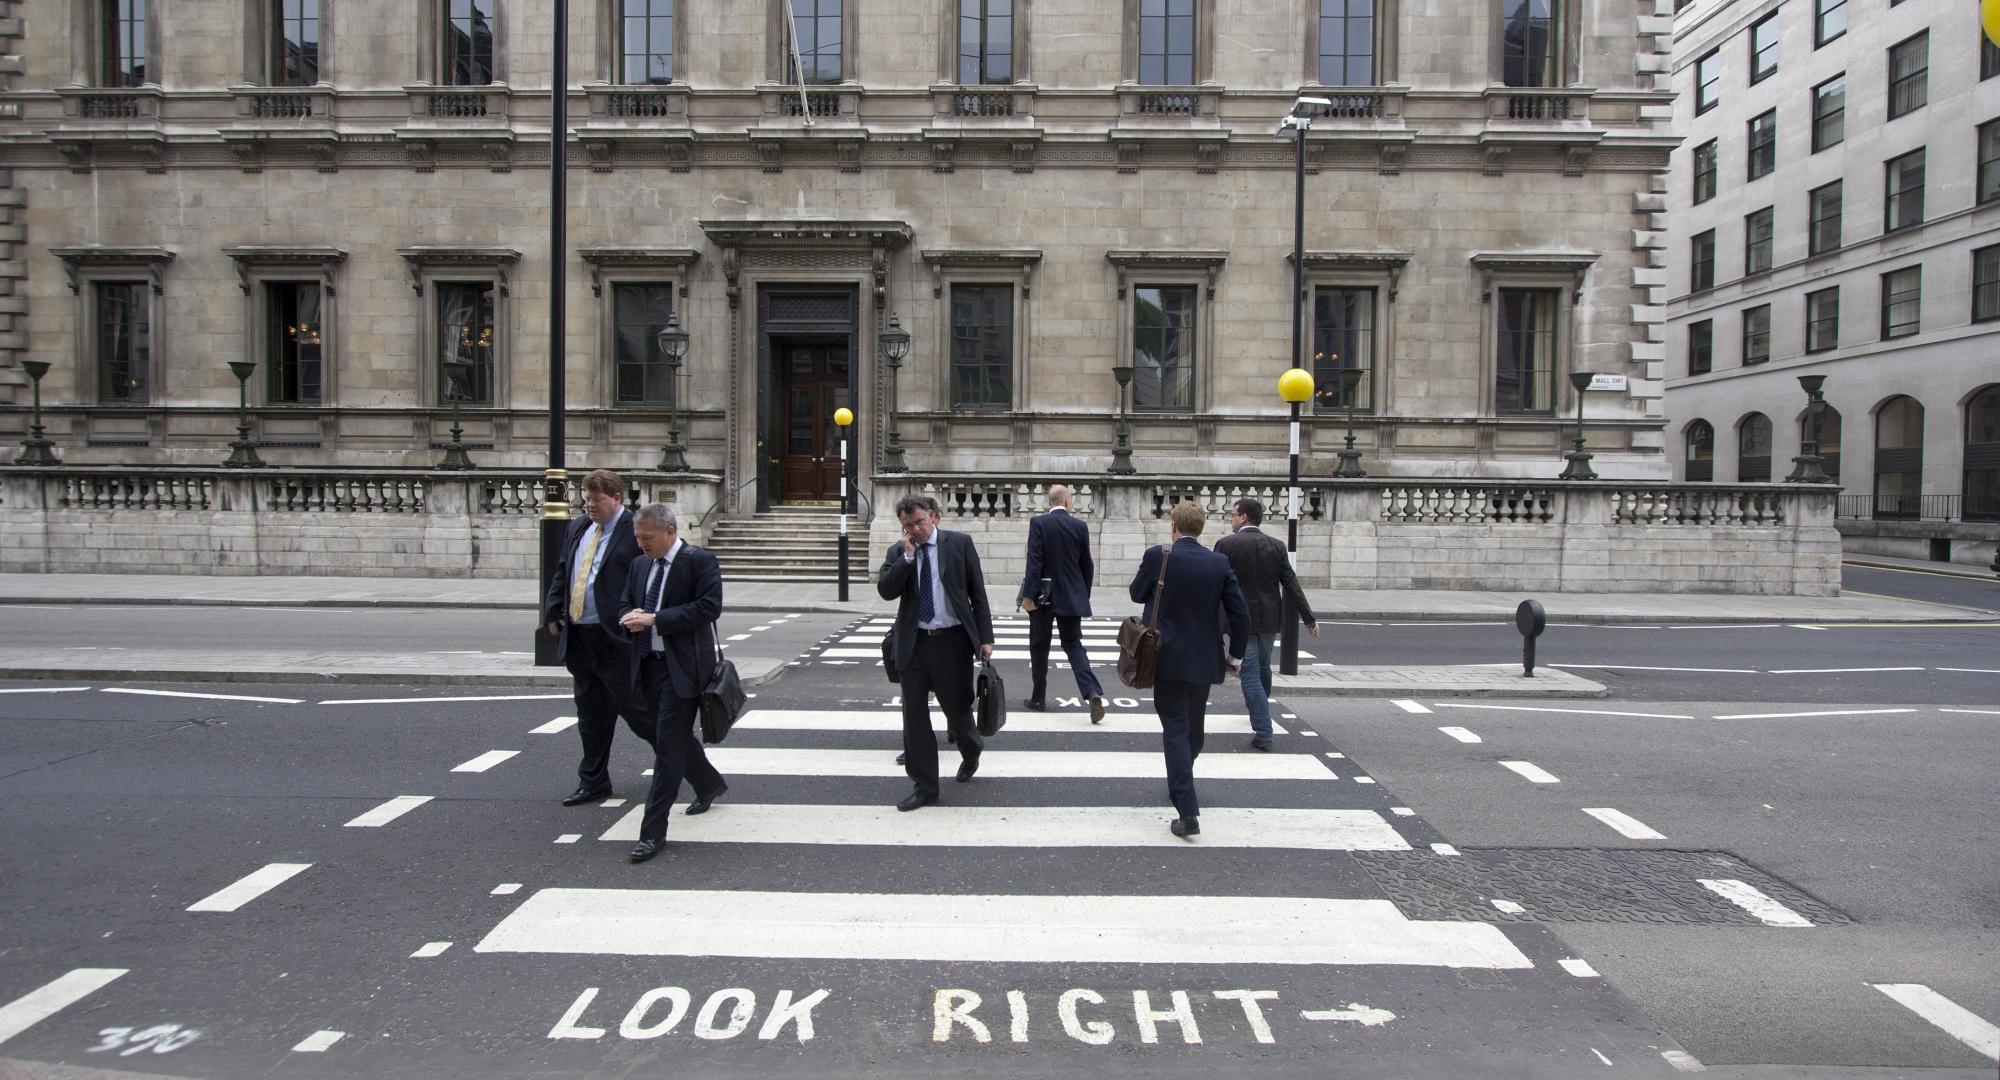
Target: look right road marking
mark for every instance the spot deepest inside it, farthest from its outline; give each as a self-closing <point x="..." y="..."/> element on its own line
<point x="1950" y="1017"/>
<point x="250" y="888"/>
<point x="38" y="1005"/>
<point x="1755" y="901"/>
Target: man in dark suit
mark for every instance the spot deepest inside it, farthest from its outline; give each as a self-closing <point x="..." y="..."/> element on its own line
<point x="1199" y="584"/>
<point x="581" y="610"/>
<point x="942" y="622"/>
<point x="1264" y="570"/>
<point x="673" y="596"/>
<point x="1059" y="551"/>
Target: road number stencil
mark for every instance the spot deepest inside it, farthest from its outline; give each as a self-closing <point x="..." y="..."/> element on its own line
<point x="160" y="1039"/>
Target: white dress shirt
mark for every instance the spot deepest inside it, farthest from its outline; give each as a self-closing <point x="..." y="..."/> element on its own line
<point x="940" y="607"/>
<point x="661" y="567"/>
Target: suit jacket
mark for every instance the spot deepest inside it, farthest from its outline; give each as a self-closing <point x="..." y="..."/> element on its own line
<point x="1059" y="549"/>
<point x="610" y="584"/>
<point x="1264" y="570"/>
<point x="1199" y="585"/>
<point x="961" y="587"/>
<point x="690" y="603"/>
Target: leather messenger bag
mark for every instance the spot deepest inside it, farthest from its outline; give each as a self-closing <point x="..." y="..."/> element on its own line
<point x="1139" y="642"/>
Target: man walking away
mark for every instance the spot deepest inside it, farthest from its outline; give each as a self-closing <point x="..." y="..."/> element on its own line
<point x="1199" y="583"/>
<point x="1264" y="570"/>
<point x="580" y="610"/>
<point x="1059" y="552"/>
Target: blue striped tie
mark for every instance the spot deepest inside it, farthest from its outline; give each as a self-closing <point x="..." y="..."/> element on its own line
<point x="926" y="593"/>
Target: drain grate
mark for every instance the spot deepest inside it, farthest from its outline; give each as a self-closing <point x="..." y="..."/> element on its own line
<point x="1580" y="885"/>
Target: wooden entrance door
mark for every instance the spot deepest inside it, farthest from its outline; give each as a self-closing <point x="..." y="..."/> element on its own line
<point x="813" y="382"/>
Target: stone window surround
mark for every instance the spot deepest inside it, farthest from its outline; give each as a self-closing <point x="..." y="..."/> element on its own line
<point x="1713" y="56"/>
<point x="457" y="265"/>
<point x="1569" y="30"/>
<point x="1204" y="43"/>
<point x="85" y="267"/>
<point x="1692" y="437"/>
<point x="258" y="43"/>
<point x="1820" y="115"/>
<point x="1750" y="36"/>
<point x="1137" y="268"/>
<point x="430" y="42"/>
<point x="1920" y="78"/>
<point x="1381" y="271"/>
<point x="1746" y="357"/>
<point x="259" y="265"/>
<point x="87" y="44"/>
<point x="1563" y="271"/>
<point x="611" y="53"/>
<point x="635" y="266"/>
<point x="984" y="266"/>
<point x="948" y="44"/>
<point x="778" y="36"/>
<point x="1833" y="319"/>
<point x="1388" y="42"/>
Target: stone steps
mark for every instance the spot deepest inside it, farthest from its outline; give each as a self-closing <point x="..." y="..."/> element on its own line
<point x="786" y="544"/>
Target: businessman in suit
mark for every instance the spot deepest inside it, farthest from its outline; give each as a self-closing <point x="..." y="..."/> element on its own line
<point x="673" y="596"/>
<point x="1059" y="550"/>
<point x="942" y="622"/>
<point x="1199" y="585"/>
<point x="581" y="611"/>
<point x="1264" y="570"/>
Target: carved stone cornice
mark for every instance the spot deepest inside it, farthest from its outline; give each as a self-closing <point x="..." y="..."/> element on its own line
<point x="1379" y="262"/>
<point x="153" y="260"/>
<point x="878" y="238"/>
<point x="603" y="259"/>
<point x="1020" y="261"/>
<point x="1132" y="263"/>
<point x="1571" y="264"/>
<point x="323" y="261"/>
<point x="492" y="259"/>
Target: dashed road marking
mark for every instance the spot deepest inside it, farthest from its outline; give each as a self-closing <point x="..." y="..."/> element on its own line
<point x="1626" y="824"/>
<point x="318" y="1042"/>
<point x="430" y="949"/>
<point x="569" y="838"/>
<point x="485" y="761"/>
<point x="1947" y="1015"/>
<point x="1461" y="734"/>
<point x="1974" y="712"/>
<point x="560" y="723"/>
<point x="53" y="997"/>
<point x="1973" y="670"/>
<point x="1682" y="1061"/>
<point x="1579" y="968"/>
<point x="252" y="886"/>
<point x="44" y="690"/>
<point x="388" y="811"/>
<point x="1444" y="849"/>
<point x="207" y="697"/>
<point x="1755" y="901"/>
<point x="1402" y="811"/>
<point x="1531" y="772"/>
<point x="509" y="889"/>
<point x="1507" y="906"/>
<point x="1409" y="706"/>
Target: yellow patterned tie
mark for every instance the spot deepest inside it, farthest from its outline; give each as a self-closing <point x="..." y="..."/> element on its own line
<point x="578" y="586"/>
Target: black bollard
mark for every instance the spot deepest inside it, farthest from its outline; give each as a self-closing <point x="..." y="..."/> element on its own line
<point x="1531" y="620"/>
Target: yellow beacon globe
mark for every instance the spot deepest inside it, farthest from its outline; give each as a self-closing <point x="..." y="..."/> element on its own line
<point x="843" y="417"/>
<point x="1989" y="17"/>
<point x="1296" y="385"/>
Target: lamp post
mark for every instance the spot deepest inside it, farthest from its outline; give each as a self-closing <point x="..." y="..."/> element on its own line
<point x="673" y="342"/>
<point x="555" y="479"/>
<point x="844" y="419"/>
<point x="1350" y="458"/>
<point x="1579" y="458"/>
<point x="242" y="451"/>
<point x="1809" y="467"/>
<point x="456" y="374"/>
<point x="895" y="344"/>
<point x="36" y="449"/>
<point x="1121" y="449"/>
<point x="1294" y="387"/>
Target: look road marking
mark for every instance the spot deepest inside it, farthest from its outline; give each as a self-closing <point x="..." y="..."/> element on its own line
<point x="1626" y="824"/>
<point x="1952" y="1018"/>
<point x="250" y="888"/>
<point x="1027" y="827"/>
<point x="1029" y="721"/>
<point x="207" y="697"/>
<point x="51" y="998"/>
<point x="1076" y="764"/>
<point x="1531" y="772"/>
<point x="388" y="811"/>
<point x="1283" y="931"/>
<point x="485" y="761"/>
<point x="1755" y="901"/>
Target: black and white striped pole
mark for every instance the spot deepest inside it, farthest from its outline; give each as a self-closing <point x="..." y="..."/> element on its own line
<point x="1295" y="387"/>
<point x="844" y="418"/>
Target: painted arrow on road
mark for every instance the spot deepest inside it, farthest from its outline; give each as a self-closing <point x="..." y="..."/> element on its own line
<point x="1354" y="1013"/>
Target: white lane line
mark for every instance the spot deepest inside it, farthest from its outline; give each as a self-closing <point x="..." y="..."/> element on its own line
<point x="1626" y="824"/>
<point x="755" y="629"/>
<point x="1074" y="764"/>
<point x="508" y="889"/>
<point x="1025" y="827"/>
<point x="388" y="811"/>
<point x="207" y="697"/>
<point x="1409" y="706"/>
<point x="256" y="884"/>
<point x="573" y="837"/>
<point x="430" y="949"/>
<point x="1017" y="720"/>
<point x="739" y="637"/>
<point x="1828" y="712"/>
<point x="53" y="997"/>
<point x="1284" y="931"/>
<point x="1755" y="901"/>
<point x="1974" y="712"/>
<point x="1531" y="772"/>
<point x="1579" y="968"/>
<point x="434" y="700"/>
<point x="1682" y="1061"/>
<point x="1447" y="624"/>
<point x="1836" y="670"/>
<point x="1642" y="667"/>
<point x="1553" y="709"/>
<point x="1402" y="811"/>
<point x="1600" y="1055"/>
<point x="1444" y="849"/>
<point x="1507" y="906"/>
<point x="1731" y="626"/>
<point x="1973" y="670"/>
<point x="1363" y="779"/>
<point x="560" y="723"/>
<point x="45" y="690"/>
<point x="611" y="804"/>
<point x="1461" y="734"/>
<point x="318" y="1042"/>
<point x="1949" y="1016"/>
<point x="485" y="761"/>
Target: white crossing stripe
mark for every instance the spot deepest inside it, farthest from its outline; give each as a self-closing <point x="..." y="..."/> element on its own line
<point x="430" y="949"/>
<point x="1626" y="824"/>
<point x="1026" y="827"/>
<point x="53" y="997"/>
<point x="1755" y="901"/>
<point x="1952" y="1018"/>
<point x="445" y="700"/>
<point x="994" y="929"/>
<point x="256" y="884"/>
<point x="318" y="1042"/>
<point x="509" y="889"/>
<point x="1461" y="734"/>
<point x="1018" y="720"/>
<point x="1531" y="772"/>
<point x="1579" y="968"/>
<point x="1409" y="706"/>
<point x="560" y="723"/>
<point x="1103" y="764"/>
<point x="485" y="761"/>
<point x="1682" y="1061"/>
<point x="388" y="811"/>
<point x="207" y="697"/>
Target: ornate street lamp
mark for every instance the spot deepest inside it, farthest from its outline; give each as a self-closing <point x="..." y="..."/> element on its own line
<point x="1809" y="467"/>
<point x="242" y="451"/>
<point x="843" y="418"/>
<point x="1350" y="458"/>
<point x="36" y="449"/>
<point x="1294" y="387"/>
<point x="1579" y="459"/>
<point x="457" y="373"/>
<point x="895" y="345"/>
<point x="1121" y="449"/>
<point x="673" y="343"/>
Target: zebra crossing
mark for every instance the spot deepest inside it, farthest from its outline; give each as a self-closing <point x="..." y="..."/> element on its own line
<point x="863" y="641"/>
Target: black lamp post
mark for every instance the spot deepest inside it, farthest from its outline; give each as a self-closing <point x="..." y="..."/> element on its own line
<point x="895" y="345"/>
<point x="1350" y="458"/>
<point x="242" y="451"/>
<point x="555" y="479"/>
<point x="673" y="343"/>
<point x="1121" y="449"/>
<point x="1579" y="459"/>
<point x="456" y="374"/>
<point x="36" y="449"/>
<point x="1809" y="467"/>
<point x="1294" y="387"/>
<point x="843" y="418"/>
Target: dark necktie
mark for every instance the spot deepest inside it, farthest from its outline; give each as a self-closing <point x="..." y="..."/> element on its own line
<point x="659" y="582"/>
<point x="926" y="589"/>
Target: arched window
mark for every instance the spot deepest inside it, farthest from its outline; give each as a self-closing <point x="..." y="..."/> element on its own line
<point x="1753" y="450"/>
<point x="1700" y="437"/>
<point x="1982" y="455"/>
<point x="1829" y="439"/>
<point x="1899" y="458"/>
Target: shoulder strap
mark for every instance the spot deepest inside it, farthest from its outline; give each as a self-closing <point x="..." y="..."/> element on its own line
<point x="1160" y="587"/>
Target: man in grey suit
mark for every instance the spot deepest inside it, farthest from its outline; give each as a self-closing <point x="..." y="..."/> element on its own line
<point x="942" y="622"/>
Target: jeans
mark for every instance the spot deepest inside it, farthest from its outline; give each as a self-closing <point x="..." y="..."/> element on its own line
<point x="1256" y="679"/>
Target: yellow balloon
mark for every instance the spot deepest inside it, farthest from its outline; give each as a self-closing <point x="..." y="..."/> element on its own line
<point x="1989" y="17"/>
<point x="843" y="417"/>
<point x="1296" y="385"/>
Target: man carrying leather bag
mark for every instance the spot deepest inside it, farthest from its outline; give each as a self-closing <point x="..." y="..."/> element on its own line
<point x="991" y="713"/>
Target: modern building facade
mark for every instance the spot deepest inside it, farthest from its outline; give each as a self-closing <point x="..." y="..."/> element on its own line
<point x="1835" y="212"/>
<point x="352" y="194"/>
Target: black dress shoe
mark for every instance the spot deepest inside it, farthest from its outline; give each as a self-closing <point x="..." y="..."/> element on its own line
<point x="916" y="799"/>
<point x="1097" y="709"/>
<point x="1038" y="706"/>
<point x="587" y="794"/>
<point x="700" y="806"/>
<point x="646" y="849"/>
<point x="966" y="768"/>
<point x="1184" y="827"/>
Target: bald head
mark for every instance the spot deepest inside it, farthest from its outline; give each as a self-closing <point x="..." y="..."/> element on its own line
<point x="1058" y="495"/>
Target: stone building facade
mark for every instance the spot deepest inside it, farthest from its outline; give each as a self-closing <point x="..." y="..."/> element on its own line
<point x="352" y="194"/>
